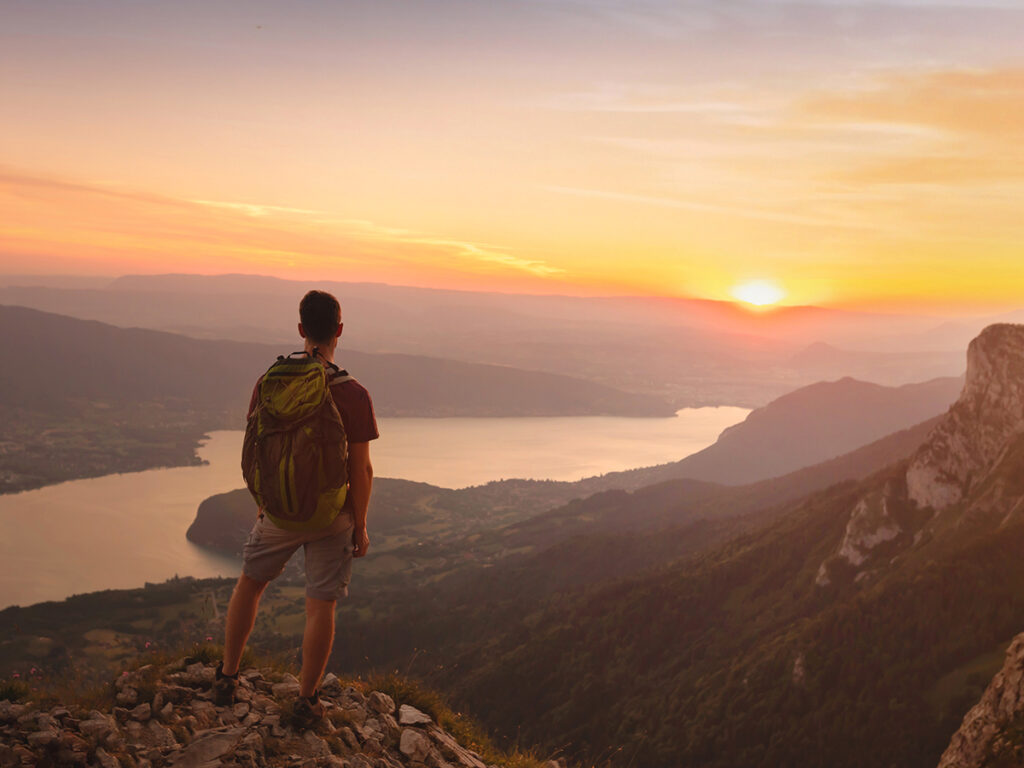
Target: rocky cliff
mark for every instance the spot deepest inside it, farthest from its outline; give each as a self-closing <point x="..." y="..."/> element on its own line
<point x="992" y="733"/>
<point x="968" y="457"/>
<point x="167" y="717"/>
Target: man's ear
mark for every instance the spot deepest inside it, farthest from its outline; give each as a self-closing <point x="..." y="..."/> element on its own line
<point x="340" y="326"/>
<point x="302" y="331"/>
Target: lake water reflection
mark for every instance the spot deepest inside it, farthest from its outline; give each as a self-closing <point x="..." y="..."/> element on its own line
<point x="120" y="531"/>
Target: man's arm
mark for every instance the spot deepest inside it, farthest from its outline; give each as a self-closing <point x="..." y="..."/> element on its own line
<point x="360" y="484"/>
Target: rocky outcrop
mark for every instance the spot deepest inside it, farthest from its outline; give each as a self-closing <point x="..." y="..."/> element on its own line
<point x="989" y="413"/>
<point x="961" y="459"/>
<point x="167" y="717"/>
<point x="992" y="733"/>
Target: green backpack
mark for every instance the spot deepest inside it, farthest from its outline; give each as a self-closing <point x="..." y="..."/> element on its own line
<point x="295" y="453"/>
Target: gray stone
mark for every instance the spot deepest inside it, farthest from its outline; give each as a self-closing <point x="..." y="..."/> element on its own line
<point x="160" y="736"/>
<point x="452" y="750"/>
<point x="208" y="746"/>
<point x="317" y="747"/>
<point x="43" y="738"/>
<point x="286" y="689"/>
<point x="381" y="702"/>
<point x="95" y="728"/>
<point x="411" y="716"/>
<point x="414" y="744"/>
<point x="331" y="685"/>
<point x="349" y="737"/>
<point x="354" y="715"/>
<point x="200" y="675"/>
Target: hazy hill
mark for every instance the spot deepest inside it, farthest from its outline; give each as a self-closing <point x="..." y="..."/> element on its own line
<point x="62" y="358"/>
<point x="813" y="424"/>
<point x="692" y="352"/>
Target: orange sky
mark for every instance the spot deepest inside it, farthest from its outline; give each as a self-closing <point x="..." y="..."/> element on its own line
<point x="855" y="154"/>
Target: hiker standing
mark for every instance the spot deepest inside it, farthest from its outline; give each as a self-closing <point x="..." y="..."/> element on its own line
<point x="306" y="460"/>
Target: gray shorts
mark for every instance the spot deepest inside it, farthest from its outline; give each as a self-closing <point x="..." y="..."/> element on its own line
<point x="328" y="555"/>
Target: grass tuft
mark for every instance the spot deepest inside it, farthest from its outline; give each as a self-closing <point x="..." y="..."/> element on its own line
<point x="14" y="690"/>
<point x="466" y="731"/>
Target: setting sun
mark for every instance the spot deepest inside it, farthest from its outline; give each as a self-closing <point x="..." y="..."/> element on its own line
<point x="760" y="293"/>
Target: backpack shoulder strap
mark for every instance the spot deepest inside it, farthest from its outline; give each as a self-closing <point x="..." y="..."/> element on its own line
<point x="339" y="376"/>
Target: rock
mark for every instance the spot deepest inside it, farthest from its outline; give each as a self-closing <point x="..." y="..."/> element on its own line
<point x="43" y="738"/>
<point x="349" y="737"/>
<point x="317" y="747"/>
<point x="990" y="411"/>
<point x="982" y="737"/>
<point x="354" y="715"/>
<point x="381" y="702"/>
<point x="389" y="727"/>
<point x="142" y="712"/>
<point x="199" y="675"/>
<point x="10" y="712"/>
<point x="331" y="685"/>
<point x="128" y="697"/>
<point x="159" y="736"/>
<point x="208" y="746"/>
<point x="106" y="760"/>
<point x="241" y="709"/>
<point x="452" y="750"/>
<point x="414" y="744"/>
<point x="408" y="715"/>
<point x="96" y="727"/>
<point x="167" y="712"/>
<point x="285" y="690"/>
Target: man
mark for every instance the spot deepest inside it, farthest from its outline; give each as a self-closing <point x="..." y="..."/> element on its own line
<point x="328" y="551"/>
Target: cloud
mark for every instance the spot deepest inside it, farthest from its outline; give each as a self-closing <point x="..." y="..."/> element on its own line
<point x="987" y="103"/>
<point x="969" y="126"/>
<point x="51" y="215"/>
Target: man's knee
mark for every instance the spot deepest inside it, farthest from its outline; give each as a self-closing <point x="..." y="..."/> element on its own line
<point x="247" y="587"/>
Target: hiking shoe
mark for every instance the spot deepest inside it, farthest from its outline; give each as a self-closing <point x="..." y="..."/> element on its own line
<point x="224" y="687"/>
<point x="308" y="712"/>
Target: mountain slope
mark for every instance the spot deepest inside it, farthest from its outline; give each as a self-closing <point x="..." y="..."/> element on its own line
<point x="854" y="612"/>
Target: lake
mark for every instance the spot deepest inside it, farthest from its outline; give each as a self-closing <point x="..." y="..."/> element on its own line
<point x="121" y="531"/>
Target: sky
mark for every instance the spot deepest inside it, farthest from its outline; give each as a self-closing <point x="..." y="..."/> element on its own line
<point x="855" y="154"/>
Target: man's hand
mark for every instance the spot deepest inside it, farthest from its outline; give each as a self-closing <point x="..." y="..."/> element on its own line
<point x="360" y="542"/>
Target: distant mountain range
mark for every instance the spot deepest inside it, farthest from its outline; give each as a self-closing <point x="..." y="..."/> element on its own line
<point x="690" y="352"/>
<point x="61" y="358"/>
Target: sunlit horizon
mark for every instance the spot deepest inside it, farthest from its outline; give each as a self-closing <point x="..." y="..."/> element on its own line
<point x="866" y="157"/>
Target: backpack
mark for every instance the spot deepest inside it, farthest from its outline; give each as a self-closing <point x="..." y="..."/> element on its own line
<point x="295" y="452"/>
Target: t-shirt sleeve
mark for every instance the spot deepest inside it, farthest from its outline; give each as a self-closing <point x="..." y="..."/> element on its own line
<point x="356" y="409"/>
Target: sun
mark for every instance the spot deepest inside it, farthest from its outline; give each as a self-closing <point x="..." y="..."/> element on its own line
<point x="760" y="293"/>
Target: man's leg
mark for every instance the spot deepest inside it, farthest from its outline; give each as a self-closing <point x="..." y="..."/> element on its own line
<point x="240" y="620"/>
<point x="316" y="643"/>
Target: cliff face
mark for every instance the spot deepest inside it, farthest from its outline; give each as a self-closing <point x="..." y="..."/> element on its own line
<point x="989" y="413"/>
<point x="961" y="473"/>
<point x="992" y="733"/>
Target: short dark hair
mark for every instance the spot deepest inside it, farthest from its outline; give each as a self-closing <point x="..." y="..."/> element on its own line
<point x="320" y="314"/>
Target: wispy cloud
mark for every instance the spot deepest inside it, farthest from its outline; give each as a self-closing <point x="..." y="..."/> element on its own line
<point x="71" y="217"/>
